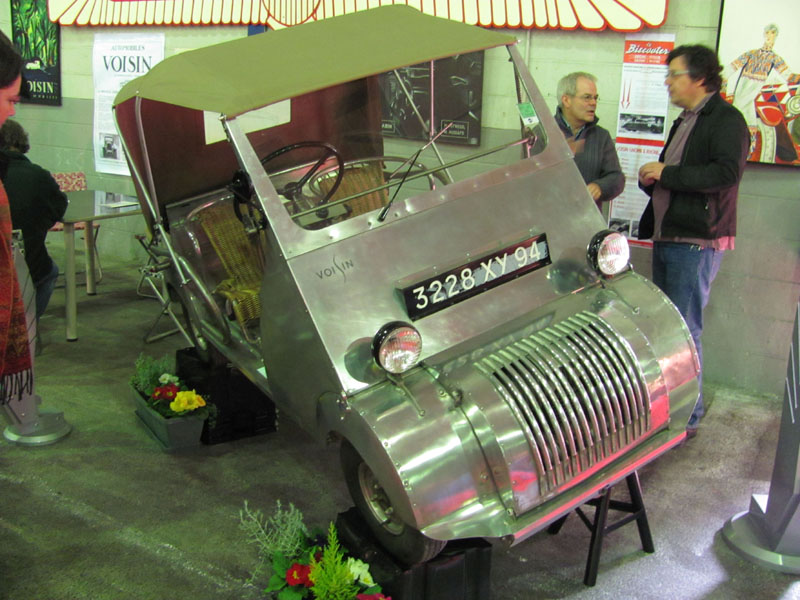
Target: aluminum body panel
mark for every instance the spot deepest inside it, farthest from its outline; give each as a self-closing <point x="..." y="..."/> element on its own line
<point x="452" y="452"/>
<point x="530" y="396"/>
<point x="350" y="287"/>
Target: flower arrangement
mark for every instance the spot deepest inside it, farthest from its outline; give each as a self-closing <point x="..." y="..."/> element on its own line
<point x="303" y="566"/>
<point x="165" y="393"/>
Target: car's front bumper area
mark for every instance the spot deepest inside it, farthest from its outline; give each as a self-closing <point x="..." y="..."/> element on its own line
<point x="506" y="438"/>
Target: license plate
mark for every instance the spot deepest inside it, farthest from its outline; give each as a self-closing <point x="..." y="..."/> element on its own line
<point x="435" y="293"/>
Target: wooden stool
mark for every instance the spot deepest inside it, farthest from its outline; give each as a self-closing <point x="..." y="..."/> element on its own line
<point x="598" y="527"/>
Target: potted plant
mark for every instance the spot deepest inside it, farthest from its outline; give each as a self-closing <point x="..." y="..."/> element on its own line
<point x="303" y="565"/>
<point x="173" y="413"/>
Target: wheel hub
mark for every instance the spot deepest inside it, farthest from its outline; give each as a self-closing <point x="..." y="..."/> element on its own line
<point x="377" y="501"/>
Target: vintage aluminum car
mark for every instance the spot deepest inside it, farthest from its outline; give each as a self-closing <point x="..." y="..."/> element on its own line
<point x="455" y="315"/>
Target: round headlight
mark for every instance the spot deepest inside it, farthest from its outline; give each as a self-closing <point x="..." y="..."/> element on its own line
<point x="609" y="252"/>
<point x="397" y="346"/>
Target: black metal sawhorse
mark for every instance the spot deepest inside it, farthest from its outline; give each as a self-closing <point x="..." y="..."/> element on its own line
<point x="598" y="527"/>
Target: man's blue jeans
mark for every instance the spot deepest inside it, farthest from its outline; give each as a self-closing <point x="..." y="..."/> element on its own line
<point x="684" y="272"/>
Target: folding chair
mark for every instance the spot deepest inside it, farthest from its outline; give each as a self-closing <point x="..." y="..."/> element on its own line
<point x="153" y="276"/>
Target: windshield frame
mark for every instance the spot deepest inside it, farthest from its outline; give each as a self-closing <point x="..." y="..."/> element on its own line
<point x="296" y="240"/>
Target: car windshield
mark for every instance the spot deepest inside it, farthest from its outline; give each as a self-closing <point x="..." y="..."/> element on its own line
<point x="365" y="145"/>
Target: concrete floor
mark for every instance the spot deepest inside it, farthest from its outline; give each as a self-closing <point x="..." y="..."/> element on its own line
<point x="105" y="514"/>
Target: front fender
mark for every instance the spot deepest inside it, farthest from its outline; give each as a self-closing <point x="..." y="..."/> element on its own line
<point x="501" y="440"/>
<point x="419" y="444"/>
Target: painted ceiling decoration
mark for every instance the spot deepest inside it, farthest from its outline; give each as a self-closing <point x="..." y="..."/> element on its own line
<point x="591" y="15"/>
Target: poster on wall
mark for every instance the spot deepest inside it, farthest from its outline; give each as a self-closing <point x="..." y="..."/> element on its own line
<point x="760" y="54"/>
<point x="116" y="59"/>
<point x="38" y="42"/>
<point x="641" y="123"/>
<point x="407" y="92"/>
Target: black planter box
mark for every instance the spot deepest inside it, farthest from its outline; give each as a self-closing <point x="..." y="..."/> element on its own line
<point x="460" y="572"/>
<point x="243" y="410"/>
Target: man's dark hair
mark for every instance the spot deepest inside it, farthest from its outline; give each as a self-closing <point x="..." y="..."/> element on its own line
<point x="14" y="137"/>
<point x="702" y="63"/>
<point x="10" y="62"/>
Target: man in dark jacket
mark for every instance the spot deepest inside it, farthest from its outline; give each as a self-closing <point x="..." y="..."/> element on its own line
<point x="693" y="189"/>
<point x="595" y="154"/>
<point x="36" y="203"/>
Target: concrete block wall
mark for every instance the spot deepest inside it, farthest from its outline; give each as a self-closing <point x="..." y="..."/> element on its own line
<point x="749" y="319"/>
<point x="61" y="137"/>
<point x="751" y="311"/>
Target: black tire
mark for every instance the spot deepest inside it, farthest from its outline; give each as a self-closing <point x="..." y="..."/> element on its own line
<point x="406" y="544"/>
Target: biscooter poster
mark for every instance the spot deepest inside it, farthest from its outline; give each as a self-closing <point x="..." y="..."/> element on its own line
<point x="641" y="123"/>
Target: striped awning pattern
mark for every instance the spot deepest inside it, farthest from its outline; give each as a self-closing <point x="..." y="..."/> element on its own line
<point x="592" y="15"/>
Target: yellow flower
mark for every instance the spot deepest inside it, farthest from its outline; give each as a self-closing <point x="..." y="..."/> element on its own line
<point x="187" y="401"/>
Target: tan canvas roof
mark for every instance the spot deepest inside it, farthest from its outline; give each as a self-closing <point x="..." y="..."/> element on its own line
<point x="244" y="74"/>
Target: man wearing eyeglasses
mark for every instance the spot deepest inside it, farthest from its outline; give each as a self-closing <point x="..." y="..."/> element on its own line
<point x="595" y="154"/>
<point x="693" y="187"/>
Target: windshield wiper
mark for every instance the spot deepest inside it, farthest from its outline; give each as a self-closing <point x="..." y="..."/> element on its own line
<point x="411" y="161"/>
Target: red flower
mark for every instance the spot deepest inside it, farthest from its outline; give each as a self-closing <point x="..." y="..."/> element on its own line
<point x="298" y="575"/>
<point x="166" y="392"/>
<point x="372" y="597"/>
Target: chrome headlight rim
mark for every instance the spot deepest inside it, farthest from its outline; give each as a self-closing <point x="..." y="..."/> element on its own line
<point x="602" y="256"/>
<point x="396" y="360"/>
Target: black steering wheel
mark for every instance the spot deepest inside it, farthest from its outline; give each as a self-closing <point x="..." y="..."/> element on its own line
<point x="293" y="189"/>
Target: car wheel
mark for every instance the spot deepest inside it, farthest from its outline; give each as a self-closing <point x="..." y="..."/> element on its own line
<point x="402" y="541"/>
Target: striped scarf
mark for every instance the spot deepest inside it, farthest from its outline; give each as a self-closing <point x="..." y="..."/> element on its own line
<point x="16" y="373"/>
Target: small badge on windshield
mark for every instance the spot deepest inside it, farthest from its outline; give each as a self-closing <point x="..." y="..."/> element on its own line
<point x="527" y="114"/>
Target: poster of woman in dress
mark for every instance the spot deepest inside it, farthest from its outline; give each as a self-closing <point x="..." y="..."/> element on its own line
<point x="761" y="75"/>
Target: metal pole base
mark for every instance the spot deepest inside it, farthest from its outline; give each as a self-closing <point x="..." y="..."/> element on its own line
<point x="744" y="535"/>
<point x="48" y="428"/>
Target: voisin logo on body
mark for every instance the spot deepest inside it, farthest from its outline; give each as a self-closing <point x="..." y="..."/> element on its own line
<point x="336" y="268"/>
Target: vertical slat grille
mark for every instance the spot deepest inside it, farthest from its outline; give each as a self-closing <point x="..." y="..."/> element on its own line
<point x="577" y="392"/>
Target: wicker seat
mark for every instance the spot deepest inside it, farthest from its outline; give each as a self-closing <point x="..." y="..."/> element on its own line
<point x="240" y="259"/>
<point x="357" y="178"/>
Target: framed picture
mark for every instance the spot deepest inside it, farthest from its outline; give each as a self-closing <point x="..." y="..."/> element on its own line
<point x="760" y="55"/>
<point x="38" y="42"/>
<point x="461" y="112"/>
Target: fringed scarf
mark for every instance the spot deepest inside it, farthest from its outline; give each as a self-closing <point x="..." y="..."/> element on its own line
<point x="16" y="373"/>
